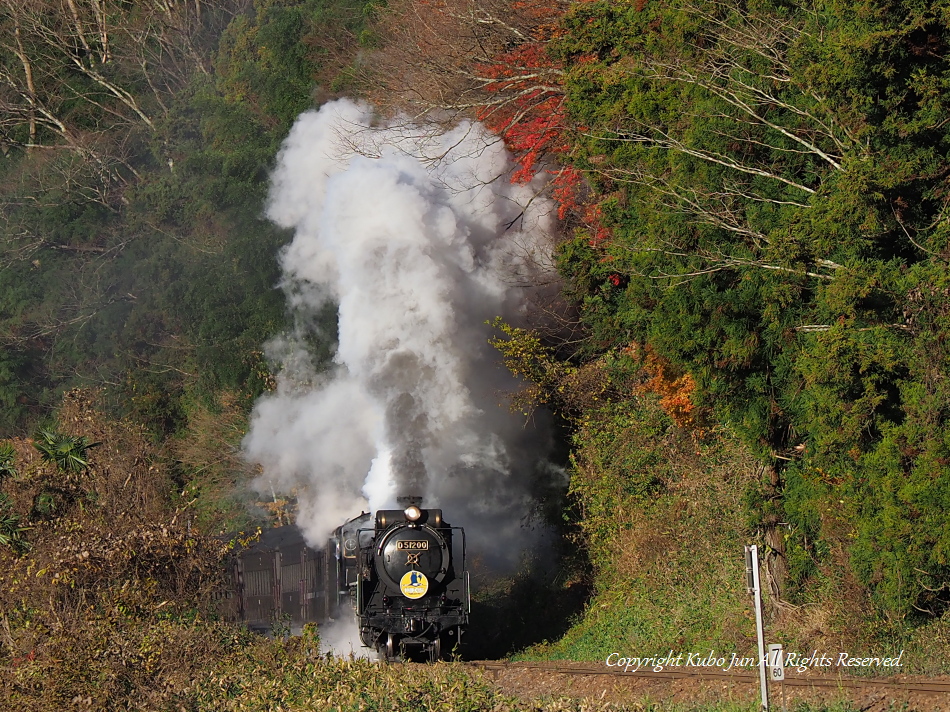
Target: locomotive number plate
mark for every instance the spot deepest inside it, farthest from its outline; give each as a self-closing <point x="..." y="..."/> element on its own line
<point x="413" y="545"/>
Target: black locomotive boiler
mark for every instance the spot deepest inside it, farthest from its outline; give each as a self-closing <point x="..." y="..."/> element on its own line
<point x="402" y="572"/>
<point x="405" y="569"/>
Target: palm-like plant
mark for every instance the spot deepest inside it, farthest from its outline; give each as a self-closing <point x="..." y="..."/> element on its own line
<point x="69" y="452"/>
<point x="7" y="456"/>
<point x="11" y="532"/>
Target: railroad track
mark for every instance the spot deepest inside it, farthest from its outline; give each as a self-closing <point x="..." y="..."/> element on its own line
<point x="837" y="682"/>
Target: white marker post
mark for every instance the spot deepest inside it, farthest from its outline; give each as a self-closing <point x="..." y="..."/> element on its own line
<point x="752" y="585"/>
<point x="777" y="667"/>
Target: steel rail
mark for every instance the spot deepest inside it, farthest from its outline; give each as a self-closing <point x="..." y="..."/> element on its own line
<point x="738" y="677"/>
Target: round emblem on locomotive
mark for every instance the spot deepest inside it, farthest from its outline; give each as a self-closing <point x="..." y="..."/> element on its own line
<point x="414" y="584"/>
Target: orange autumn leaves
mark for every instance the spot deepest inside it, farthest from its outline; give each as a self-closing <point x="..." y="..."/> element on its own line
<point x="674" y="387"/>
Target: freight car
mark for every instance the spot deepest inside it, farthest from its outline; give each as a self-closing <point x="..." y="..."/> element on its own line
<point x="401" y="571"/>
<point x="279" y="582"/>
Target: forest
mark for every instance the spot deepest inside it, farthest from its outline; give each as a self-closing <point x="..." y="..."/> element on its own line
<point x="750" y="342"/>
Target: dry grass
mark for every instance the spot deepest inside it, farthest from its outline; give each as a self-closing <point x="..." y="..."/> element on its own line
<point x="216" y="474"/>
<point x="114" y="578"/>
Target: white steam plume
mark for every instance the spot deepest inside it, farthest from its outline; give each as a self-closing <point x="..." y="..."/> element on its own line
<point x="419" y="239"/>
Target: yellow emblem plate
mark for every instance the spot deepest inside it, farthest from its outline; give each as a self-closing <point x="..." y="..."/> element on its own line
<point x="414" y="584"/>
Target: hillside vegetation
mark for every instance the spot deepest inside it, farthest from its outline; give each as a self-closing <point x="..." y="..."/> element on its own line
<point x="137" y="146"/>
<point x="771" y="194"/>
<point x="773" y="191"/>
<point x="751" y="344"/>
<point x="754" y="201"/>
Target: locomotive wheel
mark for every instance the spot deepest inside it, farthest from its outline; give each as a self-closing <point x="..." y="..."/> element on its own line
<point x="435" y="650"/>
<point x="389" y="649"/>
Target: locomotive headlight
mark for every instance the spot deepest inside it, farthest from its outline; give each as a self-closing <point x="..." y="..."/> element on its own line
<point x="413" y="513"/>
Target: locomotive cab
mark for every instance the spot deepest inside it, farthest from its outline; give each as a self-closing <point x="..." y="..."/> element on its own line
<point x="347" y="542"/>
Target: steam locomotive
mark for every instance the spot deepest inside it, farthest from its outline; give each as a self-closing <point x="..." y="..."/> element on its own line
<point x="402" y="572"/>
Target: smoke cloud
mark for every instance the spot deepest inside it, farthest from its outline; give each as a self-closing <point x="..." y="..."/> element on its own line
<point x="342" y="638"/>
<point x="419" y="239"/>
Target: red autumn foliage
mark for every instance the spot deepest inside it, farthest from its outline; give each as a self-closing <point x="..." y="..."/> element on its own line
<point x="444" y="58"/>
<point x="526" y="108"/>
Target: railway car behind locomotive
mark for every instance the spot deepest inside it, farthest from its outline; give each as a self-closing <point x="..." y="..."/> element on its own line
<point x="401" y="571"/>
<point x="279" y="582"/>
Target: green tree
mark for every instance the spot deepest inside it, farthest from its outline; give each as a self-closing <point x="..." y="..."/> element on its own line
<point x="773" y="181"/>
